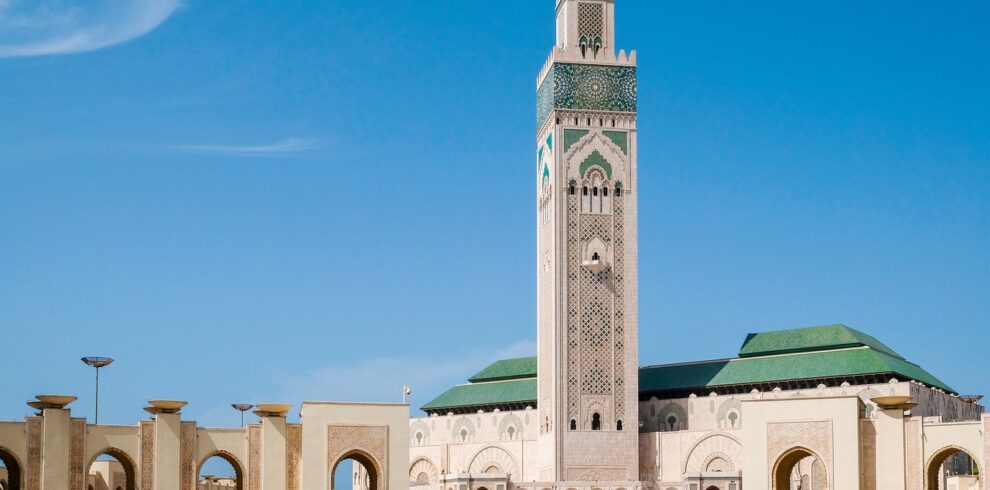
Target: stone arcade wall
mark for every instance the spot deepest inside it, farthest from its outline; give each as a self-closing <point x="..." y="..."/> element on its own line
<point x="701" y="411"/>
<point x="722" y="441"/>
<point x="55" y="451"/>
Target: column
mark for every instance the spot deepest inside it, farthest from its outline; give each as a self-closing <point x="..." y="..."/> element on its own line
<point x="55" y="452"/>
<point x="273" y="445"/>
<point x="168" y="429"/>
<point x="890" y="446"/>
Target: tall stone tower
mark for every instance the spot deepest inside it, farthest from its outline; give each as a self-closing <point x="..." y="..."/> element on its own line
<point x="586" y="263"/>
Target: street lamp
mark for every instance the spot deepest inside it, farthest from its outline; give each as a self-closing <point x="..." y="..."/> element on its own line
<point x="242" y="407"/>
<point x="97" y="362"/>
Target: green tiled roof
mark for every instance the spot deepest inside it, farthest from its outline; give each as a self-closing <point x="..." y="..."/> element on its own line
<point x="788" y="367"/>
<point x="834" y="351"/>
<point x="507" y="369"/>
<point x="809" y="339"/>
<point x="491" y="393"/>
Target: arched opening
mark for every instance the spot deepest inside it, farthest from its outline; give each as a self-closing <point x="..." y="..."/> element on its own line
<point x="800" y="469"/>
<point x="10" y="471"/>
<point x="596" y="422"/>
<point x="573" y="424"/>
<point x="220" y="471"/>
<point x="111" y="469"/>
<point x="363" y="473"/>
<point x="952" y="467"/>
<point x="713" y="487"/>
<point x="618" y="425"/>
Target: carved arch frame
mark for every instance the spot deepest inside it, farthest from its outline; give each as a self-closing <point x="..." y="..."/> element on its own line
<point x="711" y="454"/>
<point x="587" y="145"/>
<point x="366" y="444"/>
<point x="428" y="466"/>
<point x="493" y="456"/>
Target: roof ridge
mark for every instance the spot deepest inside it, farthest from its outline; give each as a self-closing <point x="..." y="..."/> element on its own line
<point x="688" y="363"/>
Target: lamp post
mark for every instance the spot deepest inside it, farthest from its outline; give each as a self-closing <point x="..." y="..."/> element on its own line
<point x="242" y="407"/>
<point x="97" y="362"/>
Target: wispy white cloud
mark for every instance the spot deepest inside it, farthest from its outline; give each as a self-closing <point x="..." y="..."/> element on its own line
<point x="375" y="379"/>
<point x="286" y="146"/>
<point x="52" y="27"/>
<point x="381" y="379"/>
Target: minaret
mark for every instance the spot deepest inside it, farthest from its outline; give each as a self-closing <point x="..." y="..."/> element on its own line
<point x="586" y="262"/>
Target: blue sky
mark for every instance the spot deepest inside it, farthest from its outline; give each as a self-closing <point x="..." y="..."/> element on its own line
<point x="286" y="200"/>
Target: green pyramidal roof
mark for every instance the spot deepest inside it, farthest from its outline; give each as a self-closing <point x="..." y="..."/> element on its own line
<point x="745" y="371"/>
<point x="485" y="394"/>
<point x="524" y="367"/>
<point x="815" y="353"/>
<point x="810" y="339"/>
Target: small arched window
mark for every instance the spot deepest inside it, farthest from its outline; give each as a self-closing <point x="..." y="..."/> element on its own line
<point x="594" y="191"/>
<point x="596" y="422"/>
<point x="618" y="425"/>
<point x="605" y="191"/>
<point x="573" y="424"/>
<point x="584" y="191"/>
<point x="595" y="256"/>
<point x="571" y="190"/>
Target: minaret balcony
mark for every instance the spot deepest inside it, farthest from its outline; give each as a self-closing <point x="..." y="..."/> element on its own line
<point x="595" y="265"/>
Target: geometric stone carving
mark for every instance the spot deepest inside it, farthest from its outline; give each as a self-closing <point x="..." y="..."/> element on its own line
<point x="77" y="446"/>
<point x="423" y="472"/>
<point x="714" y="446"/>
<point x="913" y="457"/>
<point x="187" y="456"/>
<point x="369" y="441"/>
<point x="293" y="456"/>
<point x="597" y="474"/>
<point x="147" y="455"/>
<point x="254" y="457"/>
<point x="492" y="459"/>
<point x="813" y="436"/>
<point x="35" y="430"/>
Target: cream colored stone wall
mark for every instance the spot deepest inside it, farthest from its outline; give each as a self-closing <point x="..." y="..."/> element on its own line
<point x="57" y="452"/>
<point x="438" y="446"/>
<point x="828" y="427"/>
<point x="333" y="431"/>
<point x="717" y="411"/>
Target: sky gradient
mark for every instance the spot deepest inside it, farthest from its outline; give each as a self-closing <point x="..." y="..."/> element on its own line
<point x="267" y="201"/>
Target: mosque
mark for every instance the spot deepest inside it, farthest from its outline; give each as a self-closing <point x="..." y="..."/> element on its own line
<point x="819" y="408"/>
